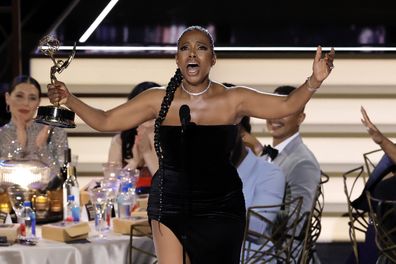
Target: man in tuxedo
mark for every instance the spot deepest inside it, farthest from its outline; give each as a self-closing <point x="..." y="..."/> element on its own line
<point x="298" y="163"/>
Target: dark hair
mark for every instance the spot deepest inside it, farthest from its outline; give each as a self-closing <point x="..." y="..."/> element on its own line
<point x="166" y="102"/>
<point x="284" y="90"/>
<point x="128" y="136"/>
<point x="226" y="84"/>
<point x="201" y="29"/>
<point x="24" y="79"/>
<point x="245" y="124"/>
<point x="143" y="86"/>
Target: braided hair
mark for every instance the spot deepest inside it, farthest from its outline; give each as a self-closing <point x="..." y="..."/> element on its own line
<point x="166" y="102"/>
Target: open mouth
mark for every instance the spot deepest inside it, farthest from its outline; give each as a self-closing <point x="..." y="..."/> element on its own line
<point x="192" y="68"/>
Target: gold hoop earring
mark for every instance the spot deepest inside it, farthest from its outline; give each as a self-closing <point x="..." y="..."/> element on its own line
<point x="7" y="108"/>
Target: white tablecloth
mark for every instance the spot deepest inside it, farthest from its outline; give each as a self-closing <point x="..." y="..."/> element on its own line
<point x="112" y="249"/>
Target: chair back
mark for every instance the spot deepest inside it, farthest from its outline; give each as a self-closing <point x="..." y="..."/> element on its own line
<point x="270" y="232"/>
<point x="140" y="229"/>
<point x="358" y="219"/>
<point x="313" y="226"/>
<point x="383" y="215"/>
<point x="371" y="159"/>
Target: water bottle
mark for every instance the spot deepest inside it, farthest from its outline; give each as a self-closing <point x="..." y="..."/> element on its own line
<point x="70" y="187"/>
<point x="28" y="222"/>
<point x="72" y="210"/>
<point x="125" y="201"/>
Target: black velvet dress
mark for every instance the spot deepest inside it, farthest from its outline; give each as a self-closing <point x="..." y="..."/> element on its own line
<point x="198" y="193"/>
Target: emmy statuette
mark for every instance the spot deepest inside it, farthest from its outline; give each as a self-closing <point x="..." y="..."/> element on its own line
<point x="55" y="115"/>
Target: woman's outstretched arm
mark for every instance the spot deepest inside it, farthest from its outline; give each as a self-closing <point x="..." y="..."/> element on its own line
<point x="130" y="114"/>
<point x="264" y="105"/>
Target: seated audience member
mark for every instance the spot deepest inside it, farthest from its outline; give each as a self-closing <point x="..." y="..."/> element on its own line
<point x="4" y="115"/>
<point x="134" y="148"/>
<point x="381" y="183"/>
<point x="248" y="139"/>
<point x="24" y="138"/>
<point x="263" y="182"/>
<point x="297" y="162"/>
<point x="385" y="166"/>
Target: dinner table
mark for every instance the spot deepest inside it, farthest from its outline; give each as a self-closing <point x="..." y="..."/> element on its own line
<point x="112" y="248"/>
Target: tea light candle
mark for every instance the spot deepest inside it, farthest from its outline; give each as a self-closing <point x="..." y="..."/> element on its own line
<point x="5" y="208"/>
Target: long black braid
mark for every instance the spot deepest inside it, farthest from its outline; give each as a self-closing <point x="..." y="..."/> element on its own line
<point x="166" y="102"/>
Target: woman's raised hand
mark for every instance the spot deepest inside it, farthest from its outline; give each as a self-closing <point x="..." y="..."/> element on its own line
<point x="322" y="67"/>
<point x="373" y="131"/>
<point x="42" y="137"/>
<point x="58" y="93"/>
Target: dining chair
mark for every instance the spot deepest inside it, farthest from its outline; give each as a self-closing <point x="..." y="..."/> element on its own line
<point x="383" y="215"/>
<point x="358" y="219"/>
<point x="270" y="232"/>
<point x="138" y="230"/>
<point x="371" y="159"/>
<point x="313" y="227"/>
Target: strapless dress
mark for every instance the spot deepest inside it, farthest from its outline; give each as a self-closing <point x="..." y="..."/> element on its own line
<point x="198" y="194"/>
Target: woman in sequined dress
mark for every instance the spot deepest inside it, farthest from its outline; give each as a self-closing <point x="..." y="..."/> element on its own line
<point x="24" y="138"/>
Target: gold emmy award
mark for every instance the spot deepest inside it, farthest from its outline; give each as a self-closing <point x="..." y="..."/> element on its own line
<point x="55" y="115"/>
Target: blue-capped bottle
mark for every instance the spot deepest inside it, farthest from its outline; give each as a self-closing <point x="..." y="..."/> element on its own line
<point x="72" y="210"/>
<point x="70" y="187"/>
<point x="28" y="222"/>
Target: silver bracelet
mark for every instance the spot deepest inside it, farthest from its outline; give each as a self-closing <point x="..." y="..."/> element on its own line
<point x="309" y="86"/>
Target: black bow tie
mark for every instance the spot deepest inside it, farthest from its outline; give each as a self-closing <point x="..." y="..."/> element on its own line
<point x="270" y="151"/>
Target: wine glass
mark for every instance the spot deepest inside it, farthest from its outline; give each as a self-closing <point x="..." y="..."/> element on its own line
<point x="17" y="196"/>
<point x="99" y="199"/>
<point x="111" y="169"/>
<point x="129" y="176"/>
<point x="112" y="185"/>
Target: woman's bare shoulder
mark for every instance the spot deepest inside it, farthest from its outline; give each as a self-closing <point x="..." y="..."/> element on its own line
<point x="153" y="94"/>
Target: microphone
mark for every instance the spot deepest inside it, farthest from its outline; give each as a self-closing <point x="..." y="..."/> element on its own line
<point x="185" y="117"/>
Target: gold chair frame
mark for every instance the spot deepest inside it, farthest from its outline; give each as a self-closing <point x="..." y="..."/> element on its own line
<point x="370" y="165"/>
<point x="383" y="215"/>
<point x="314" y="226"/>
<point x="274" y="244"/>
<point x="358" y="219"/>
<point x="139" y="229"/>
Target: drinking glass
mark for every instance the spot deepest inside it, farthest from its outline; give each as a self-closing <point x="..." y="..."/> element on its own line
<point x="129" y="176"/>
<point x="17" y="196"/>
<point x="99" y="199"/>
<point x="112" y="185"/>
<point x="111" y="169"/>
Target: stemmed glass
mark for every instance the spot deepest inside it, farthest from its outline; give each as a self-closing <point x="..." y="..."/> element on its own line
<point x="99" y="199"/>
<point x="17" y="196"/>
<point x="112" y="185"/>
<point x="111" y="169"/>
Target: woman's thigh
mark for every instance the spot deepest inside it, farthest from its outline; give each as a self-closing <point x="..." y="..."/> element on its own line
<point x="167" y="247"/>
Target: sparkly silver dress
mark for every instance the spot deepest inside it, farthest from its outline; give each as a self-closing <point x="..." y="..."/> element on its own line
<point x="52" y="153"/>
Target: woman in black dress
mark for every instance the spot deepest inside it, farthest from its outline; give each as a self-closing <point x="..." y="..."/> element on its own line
<point x="196" y="203"/>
